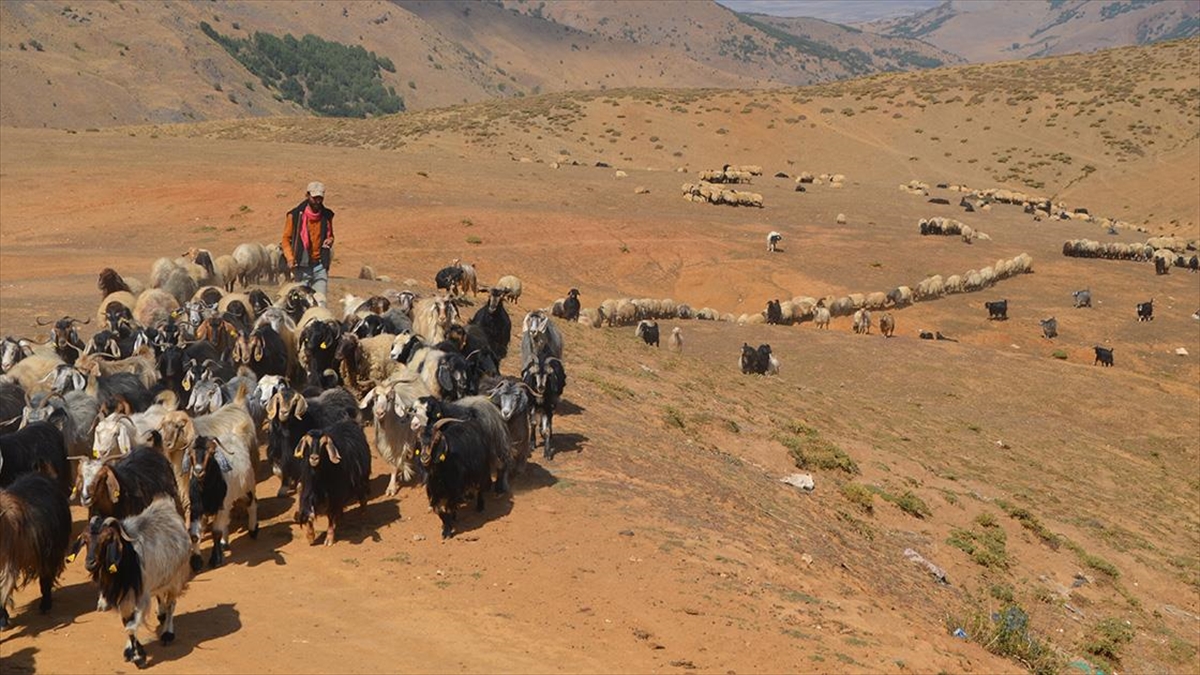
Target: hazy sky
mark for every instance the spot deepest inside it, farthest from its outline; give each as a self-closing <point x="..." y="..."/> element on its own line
<point x="841" y="11"/>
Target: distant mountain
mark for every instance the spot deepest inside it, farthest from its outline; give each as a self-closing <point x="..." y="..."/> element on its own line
<point x="993" y="30"/>
<point x="96" y="64"/>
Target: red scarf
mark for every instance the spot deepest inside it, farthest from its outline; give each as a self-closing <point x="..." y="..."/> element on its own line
<point x="310" y="216"/>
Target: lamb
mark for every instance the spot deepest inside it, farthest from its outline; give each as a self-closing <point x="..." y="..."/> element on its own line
<point x="647" y="330"/>
<point x="220" y="474"/>
<point x="137" y="558"/>
<point x="337" y="472"/>
<point x="395" y="439"/>
<point x="675" y="341"/>
<point x="35" y="531"/>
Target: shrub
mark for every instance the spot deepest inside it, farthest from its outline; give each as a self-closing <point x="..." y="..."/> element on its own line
<point x="860" y="496"/>
<point x="1006" y="633"/>
<point x="810" y="451"/>
<point x="1107" y="638"/>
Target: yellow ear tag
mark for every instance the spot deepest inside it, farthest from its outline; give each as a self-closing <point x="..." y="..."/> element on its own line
<point x="112" y="569"/>
<point x="323" y="345"/>
<point x="116" y="494"/>
<point x="71" y="558"/>
<point x="187" y="385"/>
<point x="74" y="492"/>
<point x="442" y="457"/>
<point x="233" y="332"/>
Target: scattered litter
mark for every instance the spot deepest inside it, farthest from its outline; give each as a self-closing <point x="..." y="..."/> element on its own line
<point x="1071" y="609"/>
<point x="1002" y="445"/>
<point x="418" y="537"/>
<point x="1086" y="667"/>
<point x="937" y="572"/>
<point x="1081" y="579"/>
<point x="808" y="559"/>
<point x="959" y="633"/>
<point x="626" y="533"/>
<point x="684" y="663"/>
<point x="1175" y="611"/>
<point x="1181" y="352"/>
<point x="803" y="481"/>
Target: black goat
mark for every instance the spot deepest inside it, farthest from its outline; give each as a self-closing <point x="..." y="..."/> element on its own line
<point x="38" y="447"/>
<point x="268" y="352"/>
<point x="35" y="531"/>
<point x="455" y="455"/>
<point x="12" y="406"/>
<point x="571" y="305"/>
<point x="336" y="473"/>
<point x="1161" y="265"/>
<point x="494" y="320"/>
<point x="647" y="330"/>
<point x="774" y="312"/>
<point x="126" y="486"/>
<point x="65" y="337"/>
<point x="259" y="301"/>
<point x="289" y="416"/>
<point x="449" y="279"/>
<point x="997" y="310"/>
<point x="1103" y="356"/>
<point x="758" y="361"/>
<point x="1145" y="310"/>
<point x="318" y="344"/>
<point x="547" y="379"/>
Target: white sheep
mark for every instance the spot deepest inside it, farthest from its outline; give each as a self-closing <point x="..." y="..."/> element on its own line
<point x="675" y="341"/>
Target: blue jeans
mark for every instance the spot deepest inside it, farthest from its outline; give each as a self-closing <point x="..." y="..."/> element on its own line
<point x="317" y="277"/>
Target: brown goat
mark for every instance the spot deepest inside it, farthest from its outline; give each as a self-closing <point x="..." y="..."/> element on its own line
<point x="110" y="282"/>
<point x="35" y="531"/>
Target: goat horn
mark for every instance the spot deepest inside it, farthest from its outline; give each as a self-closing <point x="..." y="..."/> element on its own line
<point x="444" y="421"/>
<point x="42" y="323"/>
<point x="74" y="320"/>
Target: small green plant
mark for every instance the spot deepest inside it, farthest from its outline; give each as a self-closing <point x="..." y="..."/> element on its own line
<point x="985" y="544"/>
<point x="1107" y="639"/>
<point x="1006" y="633"/>
<point x="860" y="496"/>
<point x="810" y="451"/>
<point x="1059" y="354"/>
<point x="474" y="240"/>
<point x="466" y="222"/>
<point x="910" y="503"/>
<point x="1002" y="592"/>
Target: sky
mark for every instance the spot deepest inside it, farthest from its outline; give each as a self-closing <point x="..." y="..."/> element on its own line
<point x="840" y="11"/>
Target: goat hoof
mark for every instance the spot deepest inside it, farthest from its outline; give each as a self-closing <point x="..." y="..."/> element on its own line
<point x="3" y="619"/>
<point x="44" y="605"/>
<point x="197" y="562"/>
<point x="129" y="653"/>
<point x="254" y="533"/>
<point x="446" y="534"/>
<point x="167" y="638"/>
<point x="216" y="561"/>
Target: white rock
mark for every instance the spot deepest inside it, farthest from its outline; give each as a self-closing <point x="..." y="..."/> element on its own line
<point x="1181" y="351"/>
<point x="803" y="481"/>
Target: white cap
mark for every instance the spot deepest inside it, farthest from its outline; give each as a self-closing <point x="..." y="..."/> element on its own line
<point x="316" y="189"/>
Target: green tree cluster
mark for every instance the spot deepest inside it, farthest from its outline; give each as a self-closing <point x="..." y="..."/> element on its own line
<point x="328" y="78"/>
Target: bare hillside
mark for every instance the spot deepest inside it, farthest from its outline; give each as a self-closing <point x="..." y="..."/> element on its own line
<point x="993" y="31"/>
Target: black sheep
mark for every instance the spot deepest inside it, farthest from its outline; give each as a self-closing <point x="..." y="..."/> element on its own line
<point x="571" y="305"/>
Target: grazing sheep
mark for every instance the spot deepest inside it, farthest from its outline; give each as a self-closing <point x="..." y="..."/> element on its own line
<point x="154" y="306"/>
<point x="887" y="325"/>
<point x="35" y="531"/>
<point x="511" y="286"/>
<point x="821" y="317"/>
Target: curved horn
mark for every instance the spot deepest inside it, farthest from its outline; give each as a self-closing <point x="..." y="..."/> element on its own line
<point x="39" y="321"/>
<point x="74" y="320"/>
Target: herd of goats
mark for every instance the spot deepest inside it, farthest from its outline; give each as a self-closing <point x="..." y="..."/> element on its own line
<point x="154" y="422"/>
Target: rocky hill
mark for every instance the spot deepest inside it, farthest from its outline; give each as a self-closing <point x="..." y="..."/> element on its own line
<point x="984" y="30"/>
